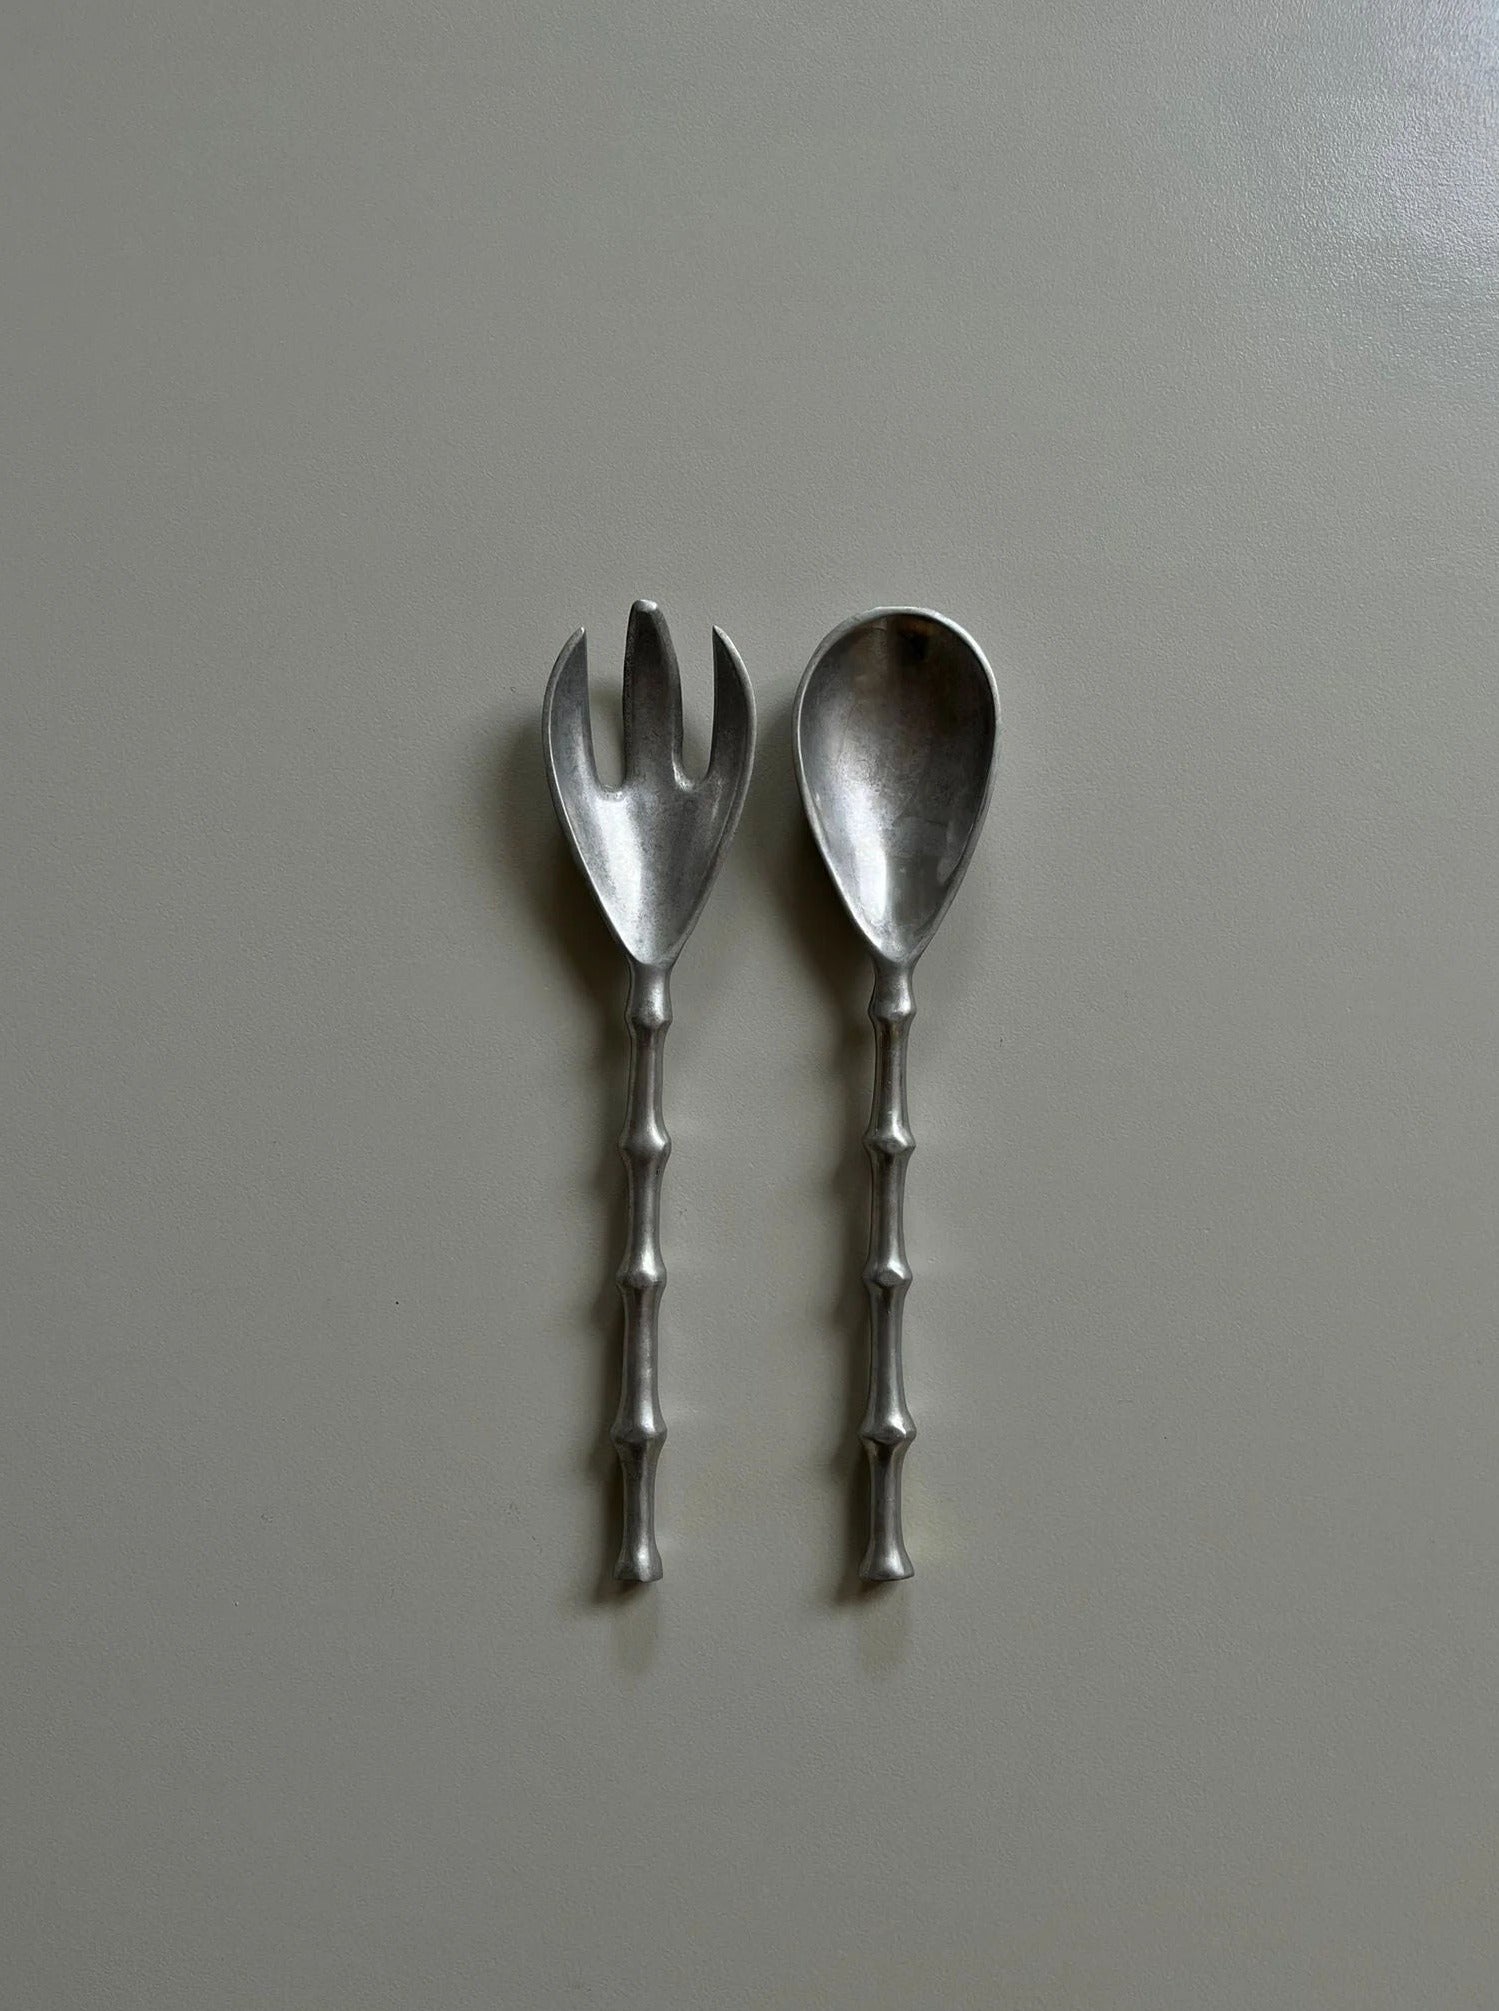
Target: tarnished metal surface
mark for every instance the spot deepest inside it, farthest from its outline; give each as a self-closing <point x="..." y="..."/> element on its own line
<point x="896" y="732"/>
<point x="651" y="850"/>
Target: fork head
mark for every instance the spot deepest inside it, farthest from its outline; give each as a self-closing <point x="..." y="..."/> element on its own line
<point x="651" y="848"/>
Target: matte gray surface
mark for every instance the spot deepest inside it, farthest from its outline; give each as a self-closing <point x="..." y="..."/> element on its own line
<point x="354" y="354"/>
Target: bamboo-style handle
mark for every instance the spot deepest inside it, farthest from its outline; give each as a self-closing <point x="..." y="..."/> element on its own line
<point x="888" y="1428"/>
<point x="638" y="1429"/>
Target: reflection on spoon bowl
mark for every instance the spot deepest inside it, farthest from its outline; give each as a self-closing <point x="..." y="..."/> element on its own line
<point x="896" y="726"/>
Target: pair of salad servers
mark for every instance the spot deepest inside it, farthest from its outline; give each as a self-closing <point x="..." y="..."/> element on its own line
<point x="896" y="731"/>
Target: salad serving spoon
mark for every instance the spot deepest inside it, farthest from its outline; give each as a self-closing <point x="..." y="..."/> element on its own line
<point x="895" y="732"/>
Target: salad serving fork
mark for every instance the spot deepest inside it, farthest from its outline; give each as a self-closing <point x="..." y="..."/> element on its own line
<point x="650" y="849"/>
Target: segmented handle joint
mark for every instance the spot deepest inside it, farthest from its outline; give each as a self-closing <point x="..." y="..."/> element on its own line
<point x="888" y="1427"/>
<point x="639" y="1429"/>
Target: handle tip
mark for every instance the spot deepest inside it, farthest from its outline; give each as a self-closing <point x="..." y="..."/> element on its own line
<point x="638" y="1566"/>
<point x="886" y="1564"/>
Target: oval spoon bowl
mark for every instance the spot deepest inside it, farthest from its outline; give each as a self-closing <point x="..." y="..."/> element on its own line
<point x="895" y="730"/>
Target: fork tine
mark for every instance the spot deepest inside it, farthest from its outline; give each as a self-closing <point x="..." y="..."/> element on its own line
<point x="733" y="746"/>
<point x="653" y="693"/>
<point x="565" y="721"/>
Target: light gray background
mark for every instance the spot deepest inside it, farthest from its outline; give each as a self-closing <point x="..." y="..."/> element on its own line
<point x="354" y="353"/>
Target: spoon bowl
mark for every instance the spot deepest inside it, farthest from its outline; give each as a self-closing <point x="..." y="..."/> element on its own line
<point x="896" y="724"/>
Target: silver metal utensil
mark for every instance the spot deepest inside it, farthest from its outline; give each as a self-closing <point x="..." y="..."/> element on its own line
<point x="895" y="731"/>
<point x="651" y="850"/>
